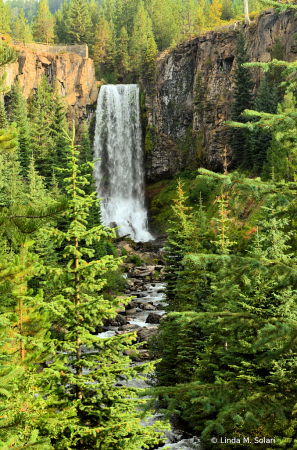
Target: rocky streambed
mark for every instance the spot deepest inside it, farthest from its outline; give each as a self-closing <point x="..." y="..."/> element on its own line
<point x="143" y="314"/>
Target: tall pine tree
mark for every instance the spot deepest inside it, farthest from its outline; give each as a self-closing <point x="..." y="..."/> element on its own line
<point x="43" y="23"/>
<point x="59" y="128"/>
<point x="266" y="101"/>
<point x="19" y="115"/>
<point x="80" y="27"/>
<point x="80" y="384"/>
<point x="41" y="117"/>
<point x="243" y="99"/>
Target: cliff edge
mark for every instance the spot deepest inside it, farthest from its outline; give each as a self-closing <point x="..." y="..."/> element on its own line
<point x="75" y="76"/>
<point x="174" y="139"/>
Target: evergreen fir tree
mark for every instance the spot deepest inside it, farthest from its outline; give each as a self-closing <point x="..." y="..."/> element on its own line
<point x="59" y="127"/>
<point x="95" y="412"/>
<point x="94" y="218"/>
<point x="86" y="155"/>
<point x="22" y="30"/>
<point x="80" y="27"/>
<point x="43" y="23"/>
<point x="24" y="324"/>
<point x="120" y="13"/>
<point x="111" y="73"/>
<point x="61" y="21"/>
<point x="124" y="14"/>
<point x="41" y="116"/>
<point x="282" y="124"/>
<point x="228" y="12"/>
<point x="201" y="18"/>
<point x="5" y="18"/>
<point x="10" y="375"/>
<point x="184" y="235"/>
<point x="238" y="7"/>
<point x="19" y="115"/>
<point x="266" y="101"/>
<point x="274" y="74"/>
<point x="139" y="39"/>
<point x="282" y="154"/>
<point x="102" y="43"/>
<point x="248" y="328"/>
<point x="150" y="60"/>
<point x="122" y="57"/>
<point x="3" y="115"/>
<point x="164" y="22"/>
<point x="8" y="140"/>
<point x="243" y="99"/>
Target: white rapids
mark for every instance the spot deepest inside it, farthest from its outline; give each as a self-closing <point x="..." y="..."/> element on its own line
<point x="120" y="174"/>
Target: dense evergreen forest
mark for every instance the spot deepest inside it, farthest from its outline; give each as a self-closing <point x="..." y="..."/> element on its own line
<point x="226" y="356"/>
<point x="123" y="36"/>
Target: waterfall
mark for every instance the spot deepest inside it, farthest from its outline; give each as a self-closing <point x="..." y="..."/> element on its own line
<point x="120" y="173"/>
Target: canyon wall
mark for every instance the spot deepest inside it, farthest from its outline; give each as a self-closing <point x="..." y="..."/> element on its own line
<point x="173" y="136"/>
<point x="75" y="76"/>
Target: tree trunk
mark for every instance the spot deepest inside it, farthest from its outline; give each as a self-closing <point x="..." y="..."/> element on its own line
<point x="22" y="349"/>
<point x="76" y="300"/>
<point x="246" y="12"/>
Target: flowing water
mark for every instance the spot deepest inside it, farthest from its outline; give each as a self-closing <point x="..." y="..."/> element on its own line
<point x="119" y="177"/>
<point x="120" y="173"/>
<point x="179" y="437"/>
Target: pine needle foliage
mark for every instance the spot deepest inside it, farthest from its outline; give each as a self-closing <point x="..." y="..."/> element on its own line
<point x="3" y="115"/>
<point x="266" y="101"/>
<point x="243" y="376"/>
<point x="282" y="124"/>
<point x="58" y="127"/>
<point x="80" y="382"/>
<point x="183" y="236"/>
<point x="19" y="115"/>
<point x="94" y="218"/>
<point x="243" y="99"/>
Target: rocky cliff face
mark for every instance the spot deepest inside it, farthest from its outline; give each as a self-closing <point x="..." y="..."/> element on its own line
<point x="75" y="76"/>
<point x="174" y="136"/>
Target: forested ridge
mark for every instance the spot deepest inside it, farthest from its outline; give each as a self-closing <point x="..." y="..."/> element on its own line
<point x="123" y="36"/>
<point x="226" y="350"/>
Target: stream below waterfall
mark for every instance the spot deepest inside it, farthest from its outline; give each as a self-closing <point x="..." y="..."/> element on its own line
<point x="120" y="179"/>
<point x="179" y="437"/>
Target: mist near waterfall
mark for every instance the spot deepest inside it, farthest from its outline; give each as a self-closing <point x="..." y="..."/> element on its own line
<point x="120" y="174"/>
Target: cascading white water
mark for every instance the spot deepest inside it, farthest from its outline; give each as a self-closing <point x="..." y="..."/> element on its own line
<point x="119" y="175"/>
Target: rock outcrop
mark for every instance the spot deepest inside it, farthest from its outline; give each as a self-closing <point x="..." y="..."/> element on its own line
<point x="174" y="138"/>
<point x="75" y="76"/>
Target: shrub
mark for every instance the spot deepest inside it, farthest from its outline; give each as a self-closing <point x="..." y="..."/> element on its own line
<point x="135" y="260"/>
<point x="116" y="283"/>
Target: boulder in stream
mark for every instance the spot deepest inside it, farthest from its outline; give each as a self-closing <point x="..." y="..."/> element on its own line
<point x="129" y="327"/>
<point x="130" y="311"/>
<point x="153" y="318"/>
<point x="144" y="333"/>
<point x="130" y="308"/>
<point x="149" y="307"/>
<point x="142" y="271"/>
<point x="120" y="320"/>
